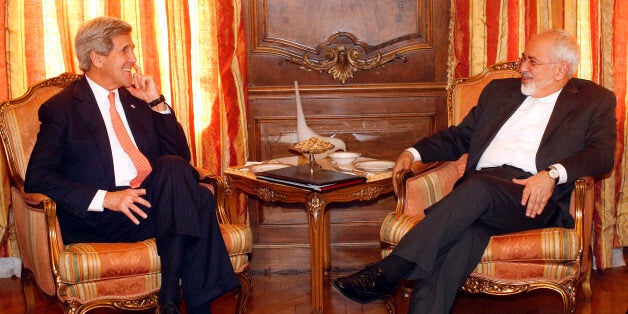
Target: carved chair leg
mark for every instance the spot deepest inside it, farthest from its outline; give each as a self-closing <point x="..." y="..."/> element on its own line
<point x="28" y="290"/>
<point x="406" y="287"/>
<point x="243" y="293"/>
<point x="391" y="304"/>
<point x="587" y="293"/>
<point x="570" y="306"/>
<point x="568" y="294"/>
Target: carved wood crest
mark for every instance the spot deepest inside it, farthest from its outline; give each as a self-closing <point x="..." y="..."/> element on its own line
<point x="341" y="58"/>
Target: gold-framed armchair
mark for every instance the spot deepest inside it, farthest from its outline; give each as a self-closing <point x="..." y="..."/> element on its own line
<point x="558" y="259"/>
<point x="84" y="276"/>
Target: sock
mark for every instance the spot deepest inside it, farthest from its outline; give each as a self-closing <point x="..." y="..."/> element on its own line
<point x="171" y="256"/>
<point x="395" y="268"/>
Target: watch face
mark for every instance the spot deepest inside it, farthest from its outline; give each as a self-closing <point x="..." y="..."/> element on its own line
<point x="553" y="173"/>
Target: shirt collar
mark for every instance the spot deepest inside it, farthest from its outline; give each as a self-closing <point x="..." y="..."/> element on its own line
<point x="99" y="91"/>
<point x="549" y="99"/>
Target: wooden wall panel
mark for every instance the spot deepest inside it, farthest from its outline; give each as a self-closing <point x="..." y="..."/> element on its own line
<point x="284" y="30"/>
<point x="378" y="108"/>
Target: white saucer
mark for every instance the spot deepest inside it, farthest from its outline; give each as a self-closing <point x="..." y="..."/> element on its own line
<point x="375" y="165"/>
<point x="268" y="166"/>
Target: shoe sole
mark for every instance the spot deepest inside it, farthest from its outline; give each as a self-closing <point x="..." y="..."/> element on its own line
<point x="384" y="298"/>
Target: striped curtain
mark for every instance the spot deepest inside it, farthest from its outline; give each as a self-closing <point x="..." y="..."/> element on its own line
<point x="484" y="32"/>
<point x="194" y="49"/>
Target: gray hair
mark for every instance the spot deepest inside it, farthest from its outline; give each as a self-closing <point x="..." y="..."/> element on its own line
<point x="95" y="35"/>
<point x="565" y="49"/>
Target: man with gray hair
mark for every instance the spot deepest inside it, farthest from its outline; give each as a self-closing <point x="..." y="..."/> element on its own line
<point x="112" y="155"/>
<point x="528" y="139"/>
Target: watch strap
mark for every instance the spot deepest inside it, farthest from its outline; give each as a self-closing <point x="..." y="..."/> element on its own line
<point x="157" y="101"/>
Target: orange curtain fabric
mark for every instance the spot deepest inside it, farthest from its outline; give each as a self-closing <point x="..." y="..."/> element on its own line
<point x="484" y="32"/>
<point x="194" y="49"/>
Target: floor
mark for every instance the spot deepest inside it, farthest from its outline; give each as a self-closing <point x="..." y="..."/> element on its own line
<point x="289" y="293"/>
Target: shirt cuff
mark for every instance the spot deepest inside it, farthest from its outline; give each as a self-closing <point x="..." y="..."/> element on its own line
<point x="167" y="111"/>
<point x="562" y="173"/>
<point x="97" y="202"/>
<point x="415" y="153"/>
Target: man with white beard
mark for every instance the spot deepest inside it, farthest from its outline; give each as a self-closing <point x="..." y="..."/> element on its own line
<point x="528" y="139"/>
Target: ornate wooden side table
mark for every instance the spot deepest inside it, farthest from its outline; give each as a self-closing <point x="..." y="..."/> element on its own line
<point x="242" y="180"/>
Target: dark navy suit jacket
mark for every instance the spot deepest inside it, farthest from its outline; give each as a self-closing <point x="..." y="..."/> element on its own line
<point x="72" y="157"/>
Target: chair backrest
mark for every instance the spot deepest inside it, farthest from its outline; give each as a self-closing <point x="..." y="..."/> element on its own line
<point x="464" y="93"/>
<point x="19" y="123"/>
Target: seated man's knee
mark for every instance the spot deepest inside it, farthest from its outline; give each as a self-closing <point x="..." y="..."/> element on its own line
<point x="478" y="181"/>
<point x="172" y="163"/>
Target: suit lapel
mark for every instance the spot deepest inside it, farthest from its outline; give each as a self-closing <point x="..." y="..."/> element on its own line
<point x="88" y="109"/>
<point x="564" y="103"/>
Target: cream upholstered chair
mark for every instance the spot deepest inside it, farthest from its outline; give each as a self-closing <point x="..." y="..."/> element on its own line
<point x="85" y="276"/>
<point x="551" y="258"/>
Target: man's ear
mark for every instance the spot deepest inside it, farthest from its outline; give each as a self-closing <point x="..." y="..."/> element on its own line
<point x="561" y="71"/>
<point x="96" y="59"/>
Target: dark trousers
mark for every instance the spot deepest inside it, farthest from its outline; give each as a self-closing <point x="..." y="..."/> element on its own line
<point x="449" y="242"/>
<point x="179" y="206"/>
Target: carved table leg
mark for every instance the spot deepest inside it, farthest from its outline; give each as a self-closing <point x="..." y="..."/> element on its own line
<point x="316" y="209"/>
<point x="326" y="243"/>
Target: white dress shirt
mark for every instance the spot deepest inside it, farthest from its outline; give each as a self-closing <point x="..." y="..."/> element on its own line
<point x="518" y="140"/>
<point x="123" y="167"/>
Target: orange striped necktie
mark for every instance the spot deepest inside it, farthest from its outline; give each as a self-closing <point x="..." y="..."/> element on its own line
<point x="139" y="160"/>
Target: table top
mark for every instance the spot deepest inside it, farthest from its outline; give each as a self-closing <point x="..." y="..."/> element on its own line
<point x="248" y="170"/>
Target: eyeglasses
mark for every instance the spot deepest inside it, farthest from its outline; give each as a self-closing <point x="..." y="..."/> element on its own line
<point x="531" y="63"/>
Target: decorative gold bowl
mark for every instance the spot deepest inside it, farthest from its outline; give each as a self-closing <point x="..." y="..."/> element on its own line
<point x="312" y="146"/>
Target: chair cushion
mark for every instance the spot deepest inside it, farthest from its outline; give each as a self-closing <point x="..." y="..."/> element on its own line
<point x="85" y="262"/>
<point x="527" y="271"/>
<point x="395" y="226"/>
<point x="82" y="262"/>
<point x="239" y="242"/>
<point x="540" y="245"/>
<point x="129" y="288"/>
<point x="549" y="244"/>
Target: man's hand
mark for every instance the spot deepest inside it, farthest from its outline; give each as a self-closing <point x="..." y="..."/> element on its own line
<point x="403" y="162"/>
<point x="124" y="202"/>
<point x="144" y="87"/>
<point x="537" y="191"/>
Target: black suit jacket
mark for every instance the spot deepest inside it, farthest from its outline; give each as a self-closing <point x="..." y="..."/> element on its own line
<point x="580" y="134"/>
<point x="72" y="157"/>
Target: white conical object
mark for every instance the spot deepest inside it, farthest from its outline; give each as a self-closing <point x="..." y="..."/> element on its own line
<point x="305" y="133"/>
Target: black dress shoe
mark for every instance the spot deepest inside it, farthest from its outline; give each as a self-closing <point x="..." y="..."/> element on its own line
<point x="167" y="308"/>
<point x="365" y="286"/>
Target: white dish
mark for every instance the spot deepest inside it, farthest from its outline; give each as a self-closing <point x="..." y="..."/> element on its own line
<point x="375" y="165"/>
<point x="268" y="166"/>
<point x="344" y="158"/>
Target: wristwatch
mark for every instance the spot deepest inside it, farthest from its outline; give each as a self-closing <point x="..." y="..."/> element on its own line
<point x="553" y="173"/>
<point x="157" y="101"/>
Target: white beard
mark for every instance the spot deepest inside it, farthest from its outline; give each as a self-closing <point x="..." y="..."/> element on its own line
<point x="535" y="85"/>
<point x="528" y="89"/>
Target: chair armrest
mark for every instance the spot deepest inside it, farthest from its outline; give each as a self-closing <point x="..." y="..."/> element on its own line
<point x="216" y="185"/>
<point x="39" y="236"/>
<point x="582" y="207"/>
<point x="417" y="169"/>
